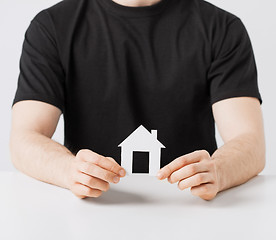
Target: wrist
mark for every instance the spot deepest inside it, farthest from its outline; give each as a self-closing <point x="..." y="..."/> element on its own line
<point x="219" y="174"/>
<point x="67" y="178"/>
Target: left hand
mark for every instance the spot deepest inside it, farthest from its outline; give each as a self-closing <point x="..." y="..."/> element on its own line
<point x="195" y="170"/>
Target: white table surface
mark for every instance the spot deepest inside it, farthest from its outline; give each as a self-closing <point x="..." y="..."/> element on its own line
<point x="139" y="207"/>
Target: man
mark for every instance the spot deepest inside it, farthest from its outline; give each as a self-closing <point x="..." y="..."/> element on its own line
<point x="109" y="66"/>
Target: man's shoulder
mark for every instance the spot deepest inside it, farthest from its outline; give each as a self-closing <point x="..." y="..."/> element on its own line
<point x="62" y="12"/>
<point x="67" y="7"/>
<point x="211" y="13"/>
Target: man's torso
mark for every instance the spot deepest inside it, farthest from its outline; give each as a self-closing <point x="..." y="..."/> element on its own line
<point x="125" y="69"/>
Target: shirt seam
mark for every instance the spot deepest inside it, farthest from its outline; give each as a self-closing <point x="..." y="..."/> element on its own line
<point x="42" y="97"/>
<point x="231" y="93"/>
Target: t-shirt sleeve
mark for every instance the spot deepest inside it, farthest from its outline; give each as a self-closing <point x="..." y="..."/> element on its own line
<point x="233" y="71"/>
<point x="41" y="75"/>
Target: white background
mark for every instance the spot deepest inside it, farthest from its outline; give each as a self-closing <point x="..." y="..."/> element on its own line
<point x="258" y="16"/>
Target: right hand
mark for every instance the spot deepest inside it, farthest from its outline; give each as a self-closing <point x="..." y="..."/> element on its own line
<point x="91" y="173"/>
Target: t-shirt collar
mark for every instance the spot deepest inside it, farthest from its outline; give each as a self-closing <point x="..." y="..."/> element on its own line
<point x="141" y="11"/>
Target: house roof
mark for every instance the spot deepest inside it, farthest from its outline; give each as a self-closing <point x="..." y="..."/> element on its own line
<point x="141" y="138"/>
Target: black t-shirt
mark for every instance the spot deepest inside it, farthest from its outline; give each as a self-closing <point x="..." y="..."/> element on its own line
<point x="111" y="68"/>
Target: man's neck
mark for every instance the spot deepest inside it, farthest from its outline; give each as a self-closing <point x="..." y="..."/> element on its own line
<point x="136" y="3"/>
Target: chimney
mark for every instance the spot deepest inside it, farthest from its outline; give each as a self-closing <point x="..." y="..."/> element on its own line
<point x="154" y="133"/>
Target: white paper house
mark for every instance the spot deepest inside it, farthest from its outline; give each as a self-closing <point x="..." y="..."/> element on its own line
<point x="141" y="140"/>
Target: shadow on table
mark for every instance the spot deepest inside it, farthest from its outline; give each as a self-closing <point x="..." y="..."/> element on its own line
<point x="249" y="193"/>
<point x="118" y="197"/>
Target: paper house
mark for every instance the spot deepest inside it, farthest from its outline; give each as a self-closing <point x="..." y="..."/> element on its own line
<point x="141" y="140"/>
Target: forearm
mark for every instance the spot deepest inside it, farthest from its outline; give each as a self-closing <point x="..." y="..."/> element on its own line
<point x="239" y="160"/>
<point x="40" y="157"/>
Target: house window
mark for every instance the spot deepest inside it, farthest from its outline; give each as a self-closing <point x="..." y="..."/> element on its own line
<point x="140" y="162"/>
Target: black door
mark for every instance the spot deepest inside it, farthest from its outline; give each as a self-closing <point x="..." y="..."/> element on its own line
<point x="140" y="162"/>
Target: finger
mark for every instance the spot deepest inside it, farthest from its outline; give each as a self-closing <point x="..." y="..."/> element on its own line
<point x="206" y="191"/>
<point x="92" y="182"/>
<point x="122" y="171"/>
<point x="98" y="172"/>
<point x="187" y="171"/>
<point x="181" y="162"/>
<point x="82" y="191"/>
<point x="194" y="180"/>
<point x="112" y="159"/>
<point x="101" y="161"/>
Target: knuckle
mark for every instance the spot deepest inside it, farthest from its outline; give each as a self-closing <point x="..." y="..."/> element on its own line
<point x="90" y="181"/>
<point x="205" y="153"/>
<point x="172" y="178"/>
<point x="113" y="168"/>
<point x="183" y="160"/>
<point x="106" y="187"/>
<point x="97" y="193"/>
<point x="210" y="165"/>
<point x="204" y="189"/>
<point x="74" y="176"/>
<point x="207" y="163"/>
<point x="74" y="163"/>
<point x="82" y="167"/>
<point x="167" y="170"/>
<point x="106" y="176"/>
<point x="199" y="178"/>
<point x="81" y="153"/>
<point x="181" y="186"/>
<point x="87" y="167"/>
<point x="96" y="159"/>
<point x="193" y="169"/>
<point x="198" y="152"/>
<point x="111" y="159"/>
<point x="88" y="191"/>
<point x="194" y="191"/>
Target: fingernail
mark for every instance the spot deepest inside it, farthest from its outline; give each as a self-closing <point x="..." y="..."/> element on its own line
<point x="122" y="172"/>
<point x="116" y="179"/>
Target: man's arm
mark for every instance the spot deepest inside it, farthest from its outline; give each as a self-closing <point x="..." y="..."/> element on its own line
<point x="32" y="149"/>
<point x="242" y="156"/>
<point x="37" y="155"/>
<point x="240" y="124"/>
